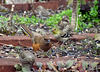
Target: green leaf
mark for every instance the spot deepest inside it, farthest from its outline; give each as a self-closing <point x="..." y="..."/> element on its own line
<point x="60" y="64"/>
<point x="49" y="65"/>
<point x="85" y="65"/>
<point x="26" y="68"/>
<point x="69" y="63"/>
<point x="39" y="64"/>
<point x="94" y="64"/>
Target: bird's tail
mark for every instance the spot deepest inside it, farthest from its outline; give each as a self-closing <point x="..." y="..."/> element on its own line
<point x="26" y="29"/>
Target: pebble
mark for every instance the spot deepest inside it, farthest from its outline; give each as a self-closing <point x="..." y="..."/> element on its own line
<point x="2" y="52"/>
<point x="7" y="50"/>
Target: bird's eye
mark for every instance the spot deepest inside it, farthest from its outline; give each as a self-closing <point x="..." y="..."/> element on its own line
<point x="45" y="39"/>
<point x="55" y="29"/>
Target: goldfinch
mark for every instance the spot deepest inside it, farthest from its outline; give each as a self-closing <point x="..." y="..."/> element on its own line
<point x="97" y="40"/>
<point x="59" y="34"/>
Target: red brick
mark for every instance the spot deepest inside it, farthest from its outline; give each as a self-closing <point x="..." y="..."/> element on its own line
<point x="23" y="7"/>
<point x="47" y="5"/>
<point x="83" y="36"/>
<point x="8" y="68"/>
<point x="7" y="64"/>
<point x="25" y="40"/>
<point x="14" y="40"/>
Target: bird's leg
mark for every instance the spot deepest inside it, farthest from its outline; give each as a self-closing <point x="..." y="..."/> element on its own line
<point x="65" y="42"/>
<point x="59" y="43"/>
<point x="49" y="54"/>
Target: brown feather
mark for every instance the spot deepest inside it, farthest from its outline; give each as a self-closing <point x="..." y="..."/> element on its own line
<point x="39" y="43"/>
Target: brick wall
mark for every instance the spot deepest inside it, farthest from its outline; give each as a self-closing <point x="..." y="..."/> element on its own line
<point x="24" y="7"/>
<point x="47" y="5"/>
<point x="64" y="2"/>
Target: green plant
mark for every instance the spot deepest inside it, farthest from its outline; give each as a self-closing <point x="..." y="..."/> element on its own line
<point x="53" y="20"/>
<point x="27" y="20"/>
<point x="89" y="19"/>
<point x="11" y="29"/>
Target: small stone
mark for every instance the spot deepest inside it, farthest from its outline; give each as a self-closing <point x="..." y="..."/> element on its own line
<point x="6" y="53"/>
<point x="1" y="56"/>
<point x="12" y="50"/>
<point x="7" y="50"/>
<point x="2" y="52"/>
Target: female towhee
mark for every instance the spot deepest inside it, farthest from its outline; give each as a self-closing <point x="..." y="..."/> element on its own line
<point x="41" y="44"/>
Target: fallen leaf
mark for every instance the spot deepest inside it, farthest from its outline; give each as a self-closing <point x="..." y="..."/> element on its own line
<point x="93" y="65"/>
<point x="85" y="65"/>
<point x="69" y="63"/>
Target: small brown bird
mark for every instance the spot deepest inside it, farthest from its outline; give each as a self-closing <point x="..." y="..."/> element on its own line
<point x="64" y="22"/>
<point x="42" y="11"/>
<point x="41" y="44"/>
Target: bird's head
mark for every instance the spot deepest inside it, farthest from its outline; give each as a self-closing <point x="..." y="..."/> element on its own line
<point x="55" y="31"/>
<point x="46" y="40"/>
<point x="97" y="37"/>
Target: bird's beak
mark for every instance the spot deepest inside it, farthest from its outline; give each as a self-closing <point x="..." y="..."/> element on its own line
<point x="52" y="30"/>
<point x="48" y="41"/>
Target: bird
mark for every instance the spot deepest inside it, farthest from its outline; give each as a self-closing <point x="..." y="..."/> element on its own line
<point x="93" y="30"/>
<point x="42" y="11"/>
<point x="59" y="34"/>
<point x="40" y="43"/>
<point x="97" y="40"/>
<point x="27" y="60"/>
<point x="63" y="30"/>
<point x="70" y="4"/>
<point x="64" y="22"/>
